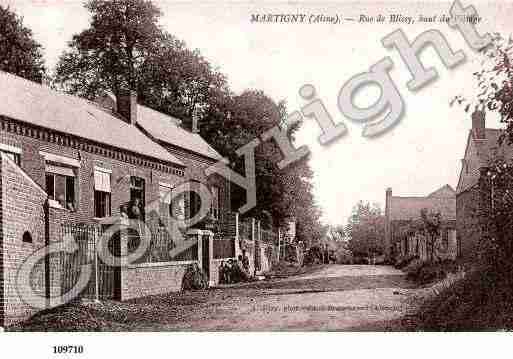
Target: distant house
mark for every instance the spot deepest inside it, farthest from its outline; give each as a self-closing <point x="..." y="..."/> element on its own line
<point x="473" y="194"/>
<point x="402" y="212"/>
<point x="68" y="160"/>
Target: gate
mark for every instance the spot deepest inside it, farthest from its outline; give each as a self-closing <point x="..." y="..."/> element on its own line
<point x="205" y="254"/>
<point x="105" y="281"/>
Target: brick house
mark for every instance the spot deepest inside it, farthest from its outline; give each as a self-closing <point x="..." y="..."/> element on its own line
<point x="473" y="190"/>
<point x="401" y="212"/>
<point x="66" y="159"/>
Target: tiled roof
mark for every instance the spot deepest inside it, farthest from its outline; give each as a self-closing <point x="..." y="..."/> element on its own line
<point x="35" y="104"/>
<point x="166" y="129"/>
<point x="442" y="200"/>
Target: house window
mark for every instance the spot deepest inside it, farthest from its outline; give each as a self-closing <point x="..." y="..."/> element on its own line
<point x="13" y="152"/>
<point x="214" y="207"/>
<point x="172" y="204"/>
<point x="445" y="239"/>
<point x="15" y="157"/>
<point x="194" y="201"/>
<point x="137" y="201"/>
<point x="60" y="186"/>
<point x="27" y="237"/>
<point x="102" y="207"/>
<point x="177" y="207"/>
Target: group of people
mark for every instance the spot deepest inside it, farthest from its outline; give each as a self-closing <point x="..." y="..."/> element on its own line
<point x="235" y="270"/>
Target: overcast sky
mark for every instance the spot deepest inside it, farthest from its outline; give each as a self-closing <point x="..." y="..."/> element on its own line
<point x="419" y="155"/>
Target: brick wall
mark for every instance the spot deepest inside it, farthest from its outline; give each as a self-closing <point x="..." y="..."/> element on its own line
<point x="22" y="212"/>
<point x="151" y="279"/>
<point x="467" y="224"/>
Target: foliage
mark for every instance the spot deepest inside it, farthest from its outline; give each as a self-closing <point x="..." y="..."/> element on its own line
<point x="497" y="217"/>
<point x="336" y="233"/>
<point x="481" y="301"/>
<point x="314" y="255"/>
<point x="431" y="228"/>
<point x="20" y="54"/>
<point x="494" y="83"/>
<point x="366" y="229"/>
<point x="429" y="272"/>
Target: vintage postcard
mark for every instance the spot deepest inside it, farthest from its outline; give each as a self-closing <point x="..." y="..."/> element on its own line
<point x="243" y="166"/>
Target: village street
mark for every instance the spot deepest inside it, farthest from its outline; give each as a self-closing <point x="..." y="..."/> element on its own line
<point x="336" y="297"/>
<point x="329" y="297"/>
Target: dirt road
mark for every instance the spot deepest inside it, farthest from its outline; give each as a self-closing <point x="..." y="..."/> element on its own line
<point x="337" y="297"/>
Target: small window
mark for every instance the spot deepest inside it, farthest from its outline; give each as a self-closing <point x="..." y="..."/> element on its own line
<point x="27" y="237"/>
<point x="445" y="239"/>
<point x="137" y="200"/>
<point x="102" y="204"/>
<point x="102" y="196"/>
<point x="214" y="208"/>
<point x="61" y="188"/>
<point x="194" y="204"/>
<point x="15" y="157"/>
<point x="177" y="207"/>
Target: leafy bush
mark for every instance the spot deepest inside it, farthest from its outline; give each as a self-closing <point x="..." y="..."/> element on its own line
<point x="404" y="261"/>
<point x="481" y="301"/>
<point x="314" y="255"/>
<point x="427" y="272"/>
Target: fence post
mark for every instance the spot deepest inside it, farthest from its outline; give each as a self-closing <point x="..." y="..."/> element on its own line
<point x="236" y="226"/>
<point x="237" y="235"/>
<point x="279" y="240"/>
<point x="123" y="253"/>
<point x="258" y="260"/>
<point x="253" y="230"/>
<point x="211" y="280"/>
<point x="194" y="234"/>
<point x="96" y="276"/>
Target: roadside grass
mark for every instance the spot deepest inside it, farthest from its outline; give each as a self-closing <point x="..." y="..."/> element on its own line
<point x="428" y="273"/>
<point x="482" y="301"/>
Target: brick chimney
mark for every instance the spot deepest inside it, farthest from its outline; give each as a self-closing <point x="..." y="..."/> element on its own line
<point x="126" y="102"/>
<point x="195" y="120"/>
<point x="479" y="124"/>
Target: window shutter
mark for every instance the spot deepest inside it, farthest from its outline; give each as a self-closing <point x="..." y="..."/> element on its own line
<point x="59" y="170"/>
<point x="101" y="181"/>
<point x="165" y="194"/>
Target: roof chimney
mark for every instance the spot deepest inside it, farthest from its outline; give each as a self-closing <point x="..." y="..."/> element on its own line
<point x="126" y="102"/>
<point x="195" y="120"/>
<point x="479" y="124"/>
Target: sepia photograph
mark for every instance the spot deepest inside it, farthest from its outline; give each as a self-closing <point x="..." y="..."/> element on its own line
<point x="254" y="166"/>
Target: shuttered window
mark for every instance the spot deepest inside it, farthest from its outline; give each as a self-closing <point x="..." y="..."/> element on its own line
<point x="102" y="180"/>
<point x="165" y="193"/>
<point x="102" y="192"/>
